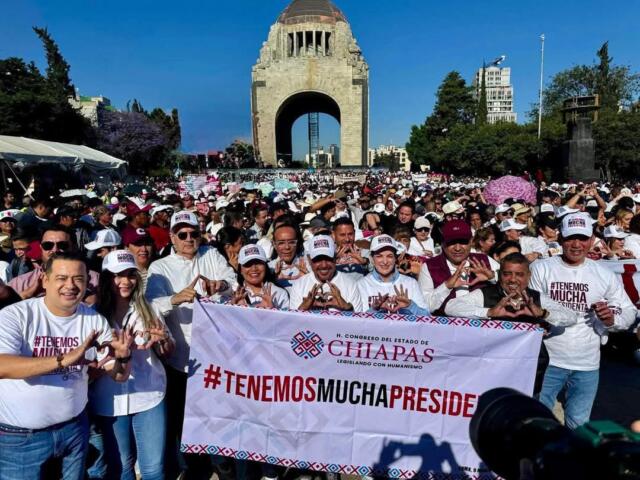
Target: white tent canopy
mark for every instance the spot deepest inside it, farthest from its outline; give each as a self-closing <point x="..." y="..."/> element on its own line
<point x="21" y="152"/>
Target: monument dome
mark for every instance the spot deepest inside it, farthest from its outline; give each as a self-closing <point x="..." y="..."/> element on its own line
<point x="316" y="11"/>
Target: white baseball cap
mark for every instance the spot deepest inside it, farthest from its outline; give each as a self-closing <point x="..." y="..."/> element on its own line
<point x="511" y="224"/>
<point x="546" y="208"/>
<point x="222" y="203"/>
<point x="119" y="261"/>
<point x="382" y="241"/>
<point x="636" y="198"/>
<point x="160" y="208"/>
<point x="321" y="245"/>
<point x="452" y="207"/>
<point x="422" y="222"/>
<point x="104" y="238"/>
<point x="577" y="224"/>
<point x="184" y="217"/>
<point x="614" y="232"/>
<point x="379" y="208"/>
<point x="564" y="210"/>
<point x="251" y="252"/>
<point x="503" y="207"/>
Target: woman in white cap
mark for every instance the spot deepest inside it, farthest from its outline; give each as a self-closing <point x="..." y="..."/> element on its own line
<point x="256" y="287"/>
<point x="614" y="248"/>
<point x="386" y="289"/>
<point x="131" y="416"/>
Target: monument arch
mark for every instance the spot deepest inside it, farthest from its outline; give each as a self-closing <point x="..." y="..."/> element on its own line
<point x="310" y="63"/>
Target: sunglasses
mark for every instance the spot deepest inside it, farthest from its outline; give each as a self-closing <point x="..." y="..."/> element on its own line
<point x="193" y="235"/>
<point x="423" y="229"/>
<point x="50" y="245"/>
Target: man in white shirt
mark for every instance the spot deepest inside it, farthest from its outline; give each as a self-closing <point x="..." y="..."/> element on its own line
<point x="324" y="287"/>
<point x="456" y="270"/>
<point x="173" y="283"/>
<point x="597" y="296"/>
<point x="46" y="344"/>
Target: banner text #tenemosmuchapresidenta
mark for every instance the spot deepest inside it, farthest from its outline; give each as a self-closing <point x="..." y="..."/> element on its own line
<point x="348" y="393"/>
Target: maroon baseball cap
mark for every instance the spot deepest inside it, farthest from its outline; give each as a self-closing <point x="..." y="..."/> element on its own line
<point x="456" y="230"/>
<point x="138" y="235"/>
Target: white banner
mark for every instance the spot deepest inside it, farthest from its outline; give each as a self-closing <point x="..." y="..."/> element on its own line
<point x="355" y="394"/>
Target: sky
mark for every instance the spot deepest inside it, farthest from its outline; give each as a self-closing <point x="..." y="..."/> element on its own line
<point x="197" y="55"/>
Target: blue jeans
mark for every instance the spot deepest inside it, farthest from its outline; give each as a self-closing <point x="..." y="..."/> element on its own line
<point x="23" y="453"/>
<point x="141" y="433"/>
<point x="581" y="389"/>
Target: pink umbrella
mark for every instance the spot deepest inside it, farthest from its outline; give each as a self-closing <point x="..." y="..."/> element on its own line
<point x="498" y="190"/>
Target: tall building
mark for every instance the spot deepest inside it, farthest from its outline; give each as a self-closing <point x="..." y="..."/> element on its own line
<point x="321" y="159"/>
<point x="499" y="93"/>
<point x="399" y="153"/>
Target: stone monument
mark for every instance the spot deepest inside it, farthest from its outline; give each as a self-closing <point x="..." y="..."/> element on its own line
<point x="310" y="63"/>
<point x="579" y="149"/>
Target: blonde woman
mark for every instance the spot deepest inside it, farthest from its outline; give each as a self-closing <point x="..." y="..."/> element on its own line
<point x="131" y="416"/>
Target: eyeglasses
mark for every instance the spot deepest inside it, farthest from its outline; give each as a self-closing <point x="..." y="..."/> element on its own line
<point x="46" y="246"/>
<point x="193" y="235"/>
<point x="287" y="243"/>
<point x="423" y="229"/>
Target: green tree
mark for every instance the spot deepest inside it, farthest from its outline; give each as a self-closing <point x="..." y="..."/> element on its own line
<point x="386" y="160"/>
<point x="616" y="84"/>
<point x="57" y="66"/>
<point x="617" y="141"/>
<point x="36" y="106"/>
<point x="240" y="155"/>
<point x="454" y="105"/>
<point x="482" y="112"/>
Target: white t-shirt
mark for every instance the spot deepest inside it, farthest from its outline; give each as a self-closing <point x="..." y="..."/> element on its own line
<point x="301" y="287"/>
<point x="577" y="288"/>
<point x="145" y="387"/>
<point x="29" y="329"/>
<point x="371" y="286"/>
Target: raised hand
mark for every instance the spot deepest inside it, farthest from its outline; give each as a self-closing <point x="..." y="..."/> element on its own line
<point x="456" y="279"/>
<point x="121" y="343"/>
<point x="76" y="356"/>
<point x="378" y="301"/>
<point x="310" y="300"/>
<point x="239" y="297"/>
<point x="481" y="271"/>
<point x="302" y="266"/>
<point x="233" y="260"/>
<point x="530" y="307"/>
<point x="336" y="300"/>
<point x="266" y="298"/>
<point x="187" y="294"/>
<point x="402" y="299"/>
<point x="500" y="309"/>
<point x="212" y="286"/>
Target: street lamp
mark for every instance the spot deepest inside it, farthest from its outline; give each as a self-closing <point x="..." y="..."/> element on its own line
<point x="541" y="85"/>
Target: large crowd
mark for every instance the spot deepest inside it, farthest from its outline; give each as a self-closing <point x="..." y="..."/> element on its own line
<point x="98" y="291"/>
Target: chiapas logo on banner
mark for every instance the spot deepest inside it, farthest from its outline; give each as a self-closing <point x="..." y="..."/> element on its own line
<point x="356" y="394"/>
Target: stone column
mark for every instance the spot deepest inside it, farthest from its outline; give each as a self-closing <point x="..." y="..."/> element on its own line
<point x="322" y="43"/>
<point x="295" y="44"/>
<point x="304" y="43"/>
